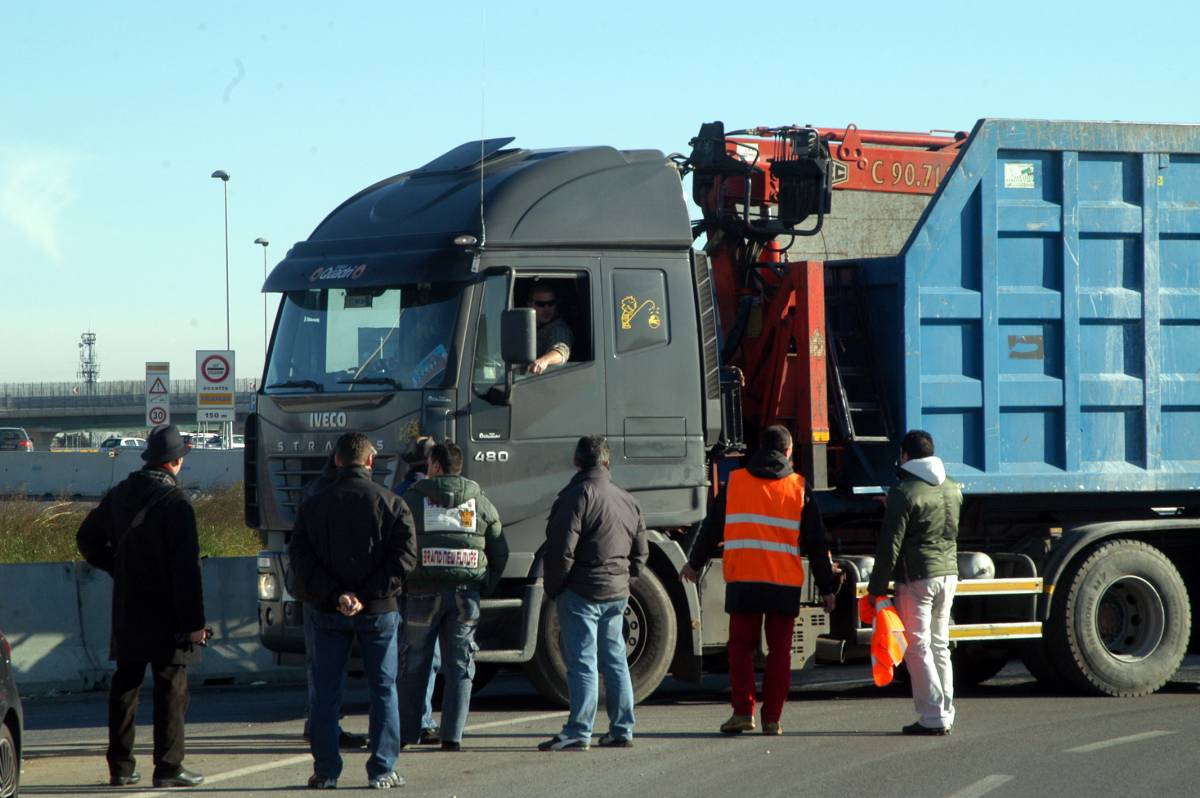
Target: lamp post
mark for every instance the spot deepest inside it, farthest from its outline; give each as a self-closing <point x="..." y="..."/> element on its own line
<point x="264" y="243"/>
<point x="223" y="176"/>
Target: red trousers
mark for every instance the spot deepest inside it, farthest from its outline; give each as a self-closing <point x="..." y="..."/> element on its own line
<point x="744" y="631"/>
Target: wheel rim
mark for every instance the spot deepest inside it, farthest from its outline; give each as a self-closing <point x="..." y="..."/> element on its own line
<point x="1130" y="618"/>
<point x="634" y="629"/>
<point x="8" y="768"/>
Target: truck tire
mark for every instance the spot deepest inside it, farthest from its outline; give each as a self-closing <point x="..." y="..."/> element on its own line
<point x="650" y="633"/>
<point x="1035" y="656"/>
<point x="1120" y="623"/>
<point x="975" y="664"/>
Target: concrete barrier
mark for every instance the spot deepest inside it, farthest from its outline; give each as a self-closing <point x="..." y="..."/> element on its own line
<point x="91" y="474"/>
<point x="57" y="616"/>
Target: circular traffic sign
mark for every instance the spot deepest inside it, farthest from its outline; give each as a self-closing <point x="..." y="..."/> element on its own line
<point x="214" y="368"/>
<point x="158" y="416"/>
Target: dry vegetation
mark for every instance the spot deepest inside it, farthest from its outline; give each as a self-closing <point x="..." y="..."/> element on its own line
<point x="39" y="531"/>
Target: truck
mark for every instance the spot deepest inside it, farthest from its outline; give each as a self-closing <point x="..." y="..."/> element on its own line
<point x="1027" y="292"/>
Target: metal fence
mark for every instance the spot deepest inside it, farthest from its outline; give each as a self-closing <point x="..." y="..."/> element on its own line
<point x="111" y="393"/>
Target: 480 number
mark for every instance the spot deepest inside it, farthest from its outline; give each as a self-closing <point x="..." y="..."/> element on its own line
<point x="491" y="456"/>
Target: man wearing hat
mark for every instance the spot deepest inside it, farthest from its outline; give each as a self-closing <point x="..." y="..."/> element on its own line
<point x="143" y="533"/>
<point x="417" y="459"/>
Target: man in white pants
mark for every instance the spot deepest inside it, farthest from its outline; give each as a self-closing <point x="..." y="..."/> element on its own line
<point x="918" y="550"/>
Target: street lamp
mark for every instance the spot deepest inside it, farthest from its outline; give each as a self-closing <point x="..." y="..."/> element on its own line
<point x="263" y="243"/>
<point x="223" y="176"/>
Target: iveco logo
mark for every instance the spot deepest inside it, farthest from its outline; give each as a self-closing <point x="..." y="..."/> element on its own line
<point x="327" y="420"/>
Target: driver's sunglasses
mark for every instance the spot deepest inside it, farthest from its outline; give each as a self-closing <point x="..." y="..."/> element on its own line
<point x="549" y="303"/>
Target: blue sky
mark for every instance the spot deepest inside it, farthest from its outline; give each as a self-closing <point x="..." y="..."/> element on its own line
<point x="113" y="116"/>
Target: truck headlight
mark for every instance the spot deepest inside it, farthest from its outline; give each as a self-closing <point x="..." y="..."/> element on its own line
<point x="268" y="587"/>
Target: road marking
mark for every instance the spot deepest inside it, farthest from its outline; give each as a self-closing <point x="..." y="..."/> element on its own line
<point x="1133" y="738"/>
<point x="303" y="758"/>
<point x="982" y="787"/>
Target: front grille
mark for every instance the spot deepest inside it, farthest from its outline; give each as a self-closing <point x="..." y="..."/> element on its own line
<point x="291" y="474"/>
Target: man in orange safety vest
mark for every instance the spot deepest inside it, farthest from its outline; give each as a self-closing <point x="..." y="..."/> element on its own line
<point x="767" y="521"/>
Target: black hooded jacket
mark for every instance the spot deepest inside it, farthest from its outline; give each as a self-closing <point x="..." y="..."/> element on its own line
<point x="158" y="600"/>
<point x="755" y="597"/>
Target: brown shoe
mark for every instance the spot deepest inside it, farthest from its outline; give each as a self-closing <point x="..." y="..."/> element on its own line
<point x="772" y="728"/>
<point x="738" y="724"/>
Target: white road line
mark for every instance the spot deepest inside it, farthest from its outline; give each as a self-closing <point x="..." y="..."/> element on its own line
<point x="303" y="758"/>
<point x="1133" y="738"/>
<point x="982" y="787"/>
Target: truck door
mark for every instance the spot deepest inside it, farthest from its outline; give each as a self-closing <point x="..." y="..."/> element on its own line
<point x="652" y="352"/>
<point x="522" y="452"/>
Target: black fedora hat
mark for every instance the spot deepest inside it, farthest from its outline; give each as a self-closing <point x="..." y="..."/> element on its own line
<point x="164" y="445"/>
<point x="419" y="451"/>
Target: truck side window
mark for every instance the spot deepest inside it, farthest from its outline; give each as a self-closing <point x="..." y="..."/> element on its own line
<point x="641" y="311"/>
<point x="489" y="366"/>
<point x="563" y="304"/>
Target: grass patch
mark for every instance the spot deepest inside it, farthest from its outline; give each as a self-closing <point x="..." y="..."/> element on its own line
<point x="41" y="531"/>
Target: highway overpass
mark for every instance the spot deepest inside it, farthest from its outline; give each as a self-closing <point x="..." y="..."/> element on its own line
<point x="46" y="408"/>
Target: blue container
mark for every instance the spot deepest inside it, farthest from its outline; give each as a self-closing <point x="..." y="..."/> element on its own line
<point x="1043" y="319"/>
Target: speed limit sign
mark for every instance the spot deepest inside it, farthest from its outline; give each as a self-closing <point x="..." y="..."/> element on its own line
<point x="158" y="394"/>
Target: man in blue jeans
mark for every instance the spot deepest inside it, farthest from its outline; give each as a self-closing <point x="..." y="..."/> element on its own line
<point x="417" y="459"/>
<point x="350" y="550"/>
<point x="461" y="554"/>
<point x="595" y="546"/>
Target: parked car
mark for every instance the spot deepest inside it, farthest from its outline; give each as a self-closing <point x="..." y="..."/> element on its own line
<point x="15" y="439"/>
<point x="239" y="442"/>
<point x="109" y="444"/>
<point x="11" y="725"/>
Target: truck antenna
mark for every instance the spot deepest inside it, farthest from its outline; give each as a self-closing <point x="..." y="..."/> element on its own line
<point x="482" y="118"/>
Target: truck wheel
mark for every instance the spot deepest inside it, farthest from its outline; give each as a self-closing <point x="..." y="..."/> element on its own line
<point x="1035" y="656"/>
<point x="650" y="633"/>
<point x="1121" y="623"/>
<point x="975" y="664"/>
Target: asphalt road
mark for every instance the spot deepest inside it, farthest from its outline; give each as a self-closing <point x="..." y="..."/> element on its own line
<point x="841" y="739"/>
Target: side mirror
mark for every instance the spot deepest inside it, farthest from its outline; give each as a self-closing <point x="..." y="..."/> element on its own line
<point x="518" y="336"/>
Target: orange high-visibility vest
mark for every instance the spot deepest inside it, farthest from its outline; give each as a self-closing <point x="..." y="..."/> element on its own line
<point x="888" y="643"/>
<point x="762" y="529"/>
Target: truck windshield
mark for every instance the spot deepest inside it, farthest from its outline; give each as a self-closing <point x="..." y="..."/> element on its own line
<point x="364" y="339"/>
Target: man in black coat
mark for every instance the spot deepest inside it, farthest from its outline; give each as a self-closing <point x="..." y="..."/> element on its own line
<point x="350" y="551"/>
<point x="143" y="533"/>
<point x="595" y="546"/>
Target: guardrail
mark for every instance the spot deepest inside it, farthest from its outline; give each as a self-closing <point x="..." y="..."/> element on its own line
<point x="57" y="616"/>
<point x="91" y="474"/>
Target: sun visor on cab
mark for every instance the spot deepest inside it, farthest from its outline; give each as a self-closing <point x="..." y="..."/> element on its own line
<point x="370" y="263"/>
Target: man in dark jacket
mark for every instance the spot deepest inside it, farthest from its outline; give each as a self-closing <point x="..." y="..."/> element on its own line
<point x="595" y="547"/>
<point x="918" y="549"/>
<point x="143" y="533"/>
<point x="346" y="740"/>
<point x="351" y="547"/>
<point x="461" y="554"/>
<point x="417" y="460"/>
<point x="766" y="518"/>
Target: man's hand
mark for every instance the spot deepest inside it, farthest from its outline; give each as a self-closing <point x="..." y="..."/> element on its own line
<point x="690" y="574"/>
<point x="830" y="601"/>
<point x="199" y="637"/>
<point x="349" y="605"/>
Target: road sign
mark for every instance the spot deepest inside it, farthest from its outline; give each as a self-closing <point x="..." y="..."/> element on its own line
<point x="158" y="394"/>
<point x="215" y="393"/>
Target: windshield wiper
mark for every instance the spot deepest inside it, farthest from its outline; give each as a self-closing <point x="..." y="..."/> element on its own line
<point x="371" y="381"/>
<point x="316" y="386"/>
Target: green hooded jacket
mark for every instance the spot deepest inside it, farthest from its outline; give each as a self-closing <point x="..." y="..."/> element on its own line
<point x="459" y="538"/>
<point x="919" y="539"/>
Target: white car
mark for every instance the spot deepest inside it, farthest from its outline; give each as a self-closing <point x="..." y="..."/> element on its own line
<point x="110" y="444"/>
